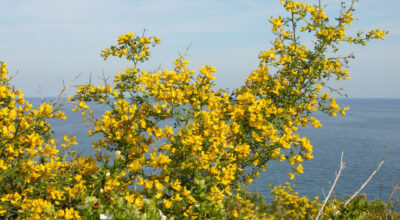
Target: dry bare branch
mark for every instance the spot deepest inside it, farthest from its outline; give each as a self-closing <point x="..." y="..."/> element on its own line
<point x="41" y="93"/>
<point x="341" y="167"/>
<point x="365" y="183"/>
<point x="65" y="87"/>
<point x="186" y="53"/>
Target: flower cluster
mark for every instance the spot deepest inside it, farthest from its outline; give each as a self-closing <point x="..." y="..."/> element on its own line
<point x="292" y="205"/>
<point x="133" y="47"/>
<point x="36" y="180"/>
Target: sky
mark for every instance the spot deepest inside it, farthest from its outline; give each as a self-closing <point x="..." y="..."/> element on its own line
<point x="48" y="42"/>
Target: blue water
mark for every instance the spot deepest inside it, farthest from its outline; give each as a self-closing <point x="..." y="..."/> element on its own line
<point x="369" y="131"/>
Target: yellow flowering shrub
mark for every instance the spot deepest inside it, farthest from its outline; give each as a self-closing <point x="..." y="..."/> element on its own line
<point x="170" y="143"/>
<point x="189" y="145"/>
<point x="34" y="173"/>
<point x="290" y="205"/>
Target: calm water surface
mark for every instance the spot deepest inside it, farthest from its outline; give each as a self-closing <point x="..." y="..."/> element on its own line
<point x="370" y="131"/>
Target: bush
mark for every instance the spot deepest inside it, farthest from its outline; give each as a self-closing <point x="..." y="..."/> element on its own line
<point x="171" y="144"/>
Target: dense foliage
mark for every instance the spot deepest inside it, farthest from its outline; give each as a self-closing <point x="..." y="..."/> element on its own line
<point x="170" y="143"/>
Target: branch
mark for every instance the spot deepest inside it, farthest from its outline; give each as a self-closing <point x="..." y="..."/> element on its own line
<point x="65" y="87"/>
<point x="395" y="188"/>
<point x="103" y="77"/>
<point x="337" y="91"/>
<point x="41" y="93"/>
<point x="186" y="53"/>
<point x="365" y="183"/>
<point x="342" y="166"/>
<point x="11" y="77"/>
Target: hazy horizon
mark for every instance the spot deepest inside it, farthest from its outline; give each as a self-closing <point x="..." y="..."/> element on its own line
<point x="48" y="42"/>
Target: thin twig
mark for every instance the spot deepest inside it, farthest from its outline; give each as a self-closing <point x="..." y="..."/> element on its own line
<point x="186" y="53"/>
<point x="323" y="192"/>
<point x="396" y="201"/>
<point x="365" y="183"/>
<point x="11" y="77"/>
<point x="391" y="195"/>
<point x="41" y="93"/>
<point x="158" y="68"/>
<point x="337" y="91"/>
<point x="103" y="77"/>
<point x="65" y="87"/>
<point x="342" y="166"/>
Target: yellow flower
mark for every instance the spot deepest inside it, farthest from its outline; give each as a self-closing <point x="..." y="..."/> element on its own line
<point x="235" y="214"/>
<point x="139" y="203"/>
<point x="167" y="203"/>
<point x="342" y="111"/>
<point x="60" y="213"/>
<point x="157" y="40"/>
<point x="78" y="178"/>
<point x="3" y="69"/>
<point x="299" y="168"/>
<point x="3" y="165"/>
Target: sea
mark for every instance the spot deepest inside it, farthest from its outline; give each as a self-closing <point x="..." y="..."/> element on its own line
<point x="369" y="133"/>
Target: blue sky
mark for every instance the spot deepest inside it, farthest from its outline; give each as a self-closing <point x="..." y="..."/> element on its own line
<point x="48" y="41"/>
